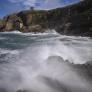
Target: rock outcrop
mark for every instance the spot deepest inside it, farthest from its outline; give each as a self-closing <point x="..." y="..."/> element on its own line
<point x="70" y="20"/>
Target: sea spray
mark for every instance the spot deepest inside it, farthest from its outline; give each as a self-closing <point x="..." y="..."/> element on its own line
<point x="44" y="63"/>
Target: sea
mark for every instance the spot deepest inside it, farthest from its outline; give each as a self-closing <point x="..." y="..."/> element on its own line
<point x="45" y="62"/>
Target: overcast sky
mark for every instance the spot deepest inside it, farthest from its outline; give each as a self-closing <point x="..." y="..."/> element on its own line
<point x="10" y="6"/>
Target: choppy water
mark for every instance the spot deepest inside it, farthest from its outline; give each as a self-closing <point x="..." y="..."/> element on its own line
<point x="44" y="63"/>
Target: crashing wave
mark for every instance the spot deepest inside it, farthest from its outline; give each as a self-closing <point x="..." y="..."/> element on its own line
<point x="11" y="32"/>
<point x="47" y="32"/>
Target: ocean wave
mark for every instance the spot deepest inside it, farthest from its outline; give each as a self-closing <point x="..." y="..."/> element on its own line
<point x="11" y="32"/>
<point x="46" y="65"/>
<point x="47" y="32"/>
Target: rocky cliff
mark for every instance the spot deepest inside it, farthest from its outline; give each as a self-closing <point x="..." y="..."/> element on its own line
<point x="71" y="20"/>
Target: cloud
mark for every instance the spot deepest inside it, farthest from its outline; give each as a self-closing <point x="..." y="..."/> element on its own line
<point x="43" y="4"/>
<point x="29" y="3"/>
<point x="15" y="1"/>
<point x="26" y="3"/>
<point x="51" y="4"/>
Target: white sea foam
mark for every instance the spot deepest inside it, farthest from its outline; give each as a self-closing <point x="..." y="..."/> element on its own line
<point x="47" y="32"/>
<point x="2" y="38"/>
<point x="6" y="51"/>
<point x="11" y="32"/>
<point x="42" y="66"/>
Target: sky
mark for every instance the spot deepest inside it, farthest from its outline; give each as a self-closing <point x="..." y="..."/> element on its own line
<point x="11" y="6"/>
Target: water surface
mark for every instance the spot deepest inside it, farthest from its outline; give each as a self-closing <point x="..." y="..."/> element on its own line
<point x="46" y="62"/>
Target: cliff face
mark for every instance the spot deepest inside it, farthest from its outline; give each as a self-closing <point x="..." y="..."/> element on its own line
<point x="76" y="19"/>
<point x="71" y="20"/>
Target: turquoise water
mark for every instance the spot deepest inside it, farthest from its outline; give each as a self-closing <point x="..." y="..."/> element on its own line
<point x="44" y="62"/>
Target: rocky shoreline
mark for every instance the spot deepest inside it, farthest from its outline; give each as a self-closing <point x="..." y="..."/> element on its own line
<point x="70" y="20"/>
